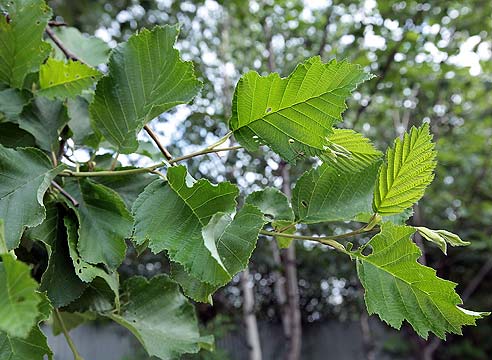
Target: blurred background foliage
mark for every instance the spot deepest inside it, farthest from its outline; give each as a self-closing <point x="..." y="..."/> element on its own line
<point x="433" y="64"/>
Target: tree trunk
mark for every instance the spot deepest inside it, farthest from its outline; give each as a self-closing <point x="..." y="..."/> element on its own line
<point x="289" y="261"/>
<point x="252" y="334"/>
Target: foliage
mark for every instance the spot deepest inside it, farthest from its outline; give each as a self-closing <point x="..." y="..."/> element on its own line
<point x="82" y="213"/>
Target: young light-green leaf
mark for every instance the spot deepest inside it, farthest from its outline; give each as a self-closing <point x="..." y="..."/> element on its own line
<point x="441" y="238"/>
<point x="349" y="150"/>
<point x="406" y="172"/>
<point x="399" y="288"/>
<point x="293" y="115"/>
<point x="25" y="175"/>
<point x="146" y="78"/>
<point x="60" y="79"/>
<point x="327" y="193"/>
<point x="159" y="316"/>
<point x="22" y="47"/>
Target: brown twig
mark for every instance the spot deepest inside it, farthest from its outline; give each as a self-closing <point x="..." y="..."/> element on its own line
<point x="69" y="55"/>
<point x="57" y="23"/>
<point x="154" y="137"/>
<point x="65" y="193"/>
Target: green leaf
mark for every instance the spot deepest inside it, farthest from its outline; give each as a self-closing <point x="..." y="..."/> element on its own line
<point x="273" y="203"/>
<point x="12" y="101"/>
<point x="407" y="171"/>
<point x="399" y="288"/>
<point x="276" y="207"/>
<point x="85" y="271"/>
<point x="232" y="241"/>
<point x="171" y="216"/>
<point x="44" y="119"/>
<point x="48" y="231"/>
<point x="80" y="123"/>
<point x="25" y="175"/>
<point x="398" y="219"/>
<point x="34" y="347"/>
<point x="19" y="301"/>
<point x="12" y="136"/>
<point x="293" y="115"/>
<point x="350" y="150"/>
<point x="60" y="79"/>
<point x="146" y="78"/>
<point x="90" y="49"/>
<point x="330" y="194"/>
<point x="192" y="287"/>
<point x="104" y="222"/>
<point x="23" y="49"/>
<point x="98" y="298"/>
<point x="128" y="187"/>
<point x="441" y="238"/>
<point x="59" y="280"/>
<point x="159" y="316"/>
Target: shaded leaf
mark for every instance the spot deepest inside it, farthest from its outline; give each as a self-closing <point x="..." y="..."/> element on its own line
<point x="159" y="316"/>
<point x="12" y="101"/>
<point x="12" y="136"/>
<point x="330" y="194"/>
<point x="104" y="222"/>
<point x="34" y="347"/>
<point x="44" y="119"/>
<point x="293" y="115"/>
<point x="146" y="78"/>
<point x="25" y="175"/>
<point x="80" y="123"/>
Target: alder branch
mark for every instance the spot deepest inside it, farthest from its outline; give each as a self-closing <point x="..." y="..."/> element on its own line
<point x="68" y="54"/>
<point x="65" y="193"/>
<point x="161" y="147"/>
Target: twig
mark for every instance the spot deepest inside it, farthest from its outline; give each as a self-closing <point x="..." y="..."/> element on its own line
<point x="65" y="193"/>
<point x="57" y="23"/>
<point x="76" y="355"/>
<point x="144" y="169"/>
<point x="69" y="55"/>
<point x="114" y="162"/>
<point x="161" y="147"/>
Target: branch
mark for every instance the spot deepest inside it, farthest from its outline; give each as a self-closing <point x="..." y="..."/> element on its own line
<point x="150" y="169"/>
<point x="65" y="193"/>
<point x="161" y="147"/>
<point x="69" y="55"/>
<point x="76" y="355"/>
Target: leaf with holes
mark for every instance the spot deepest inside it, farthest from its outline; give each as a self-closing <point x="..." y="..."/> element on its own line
<point x="293" y="115"/>
<point x="146" y="78"/>
<point x="406" y="172"/>
<point x="332" y="194"/>
<point x="60" y="79"/>
<point x="399" y="288"/>
<point x="25" y="175"/>
<point x="23" y="49"/>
